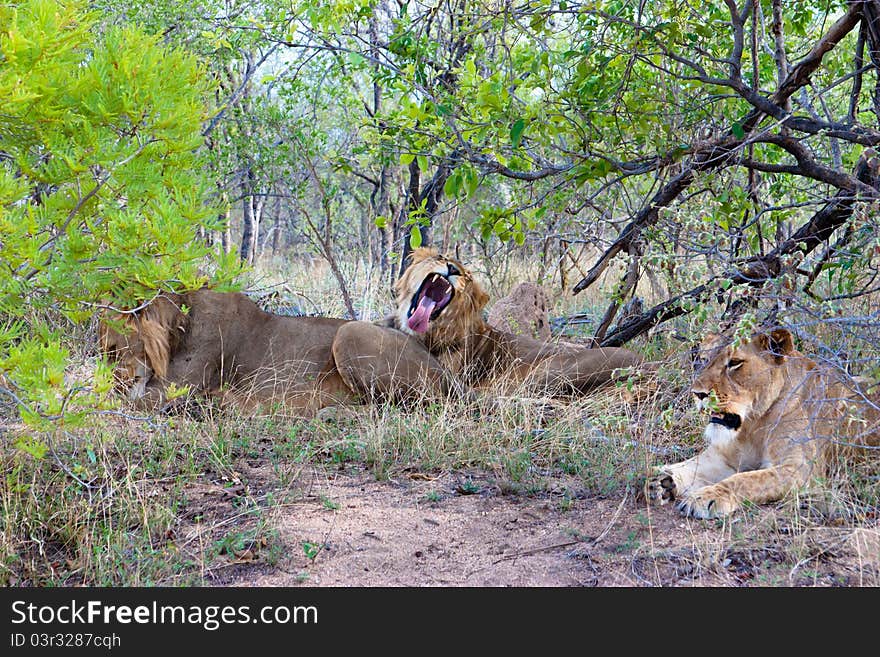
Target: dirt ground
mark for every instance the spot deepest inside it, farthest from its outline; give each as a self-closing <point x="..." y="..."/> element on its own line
<point x="451" y="530"/>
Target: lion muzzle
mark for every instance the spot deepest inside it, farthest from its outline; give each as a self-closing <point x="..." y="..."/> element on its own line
<point x="433" y="296"/>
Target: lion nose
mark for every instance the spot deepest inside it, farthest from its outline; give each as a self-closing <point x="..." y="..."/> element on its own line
<point x="699" y="394"/>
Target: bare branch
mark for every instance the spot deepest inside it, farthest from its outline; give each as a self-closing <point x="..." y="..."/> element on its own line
<point x="756" y="271"/>
<point x="858" y="64"/>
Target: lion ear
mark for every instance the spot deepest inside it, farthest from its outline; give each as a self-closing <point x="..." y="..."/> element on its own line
<point x="700" y="351"/>
<point x="481" y="298"/>
<point x="780" y="343"/>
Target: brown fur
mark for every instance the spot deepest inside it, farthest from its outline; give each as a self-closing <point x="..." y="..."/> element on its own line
<point x="793" y="413"/>
<point x="522" y="312"/>
<point x="223" y="344"/>
<point x="483" y="356"/>
<point x="144" y="344"/>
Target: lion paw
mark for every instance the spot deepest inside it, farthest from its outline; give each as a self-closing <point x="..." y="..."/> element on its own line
<point x="660" y="487"/>
<point x="707" y="503"/>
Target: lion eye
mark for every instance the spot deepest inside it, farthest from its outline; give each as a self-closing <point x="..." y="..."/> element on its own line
<point x="453" y="270"/>
<point x="734" y="363"/>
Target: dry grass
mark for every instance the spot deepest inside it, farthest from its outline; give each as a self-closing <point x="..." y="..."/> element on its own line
<point x="190" y="500"/>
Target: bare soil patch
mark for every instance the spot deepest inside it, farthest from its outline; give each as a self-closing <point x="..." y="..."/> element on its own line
<point x="456" y="530"/>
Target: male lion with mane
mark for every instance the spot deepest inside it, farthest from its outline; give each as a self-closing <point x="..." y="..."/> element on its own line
<point x="441" y="304"/>
<point x="777" y="419"/>
<point x="222" y="343"/>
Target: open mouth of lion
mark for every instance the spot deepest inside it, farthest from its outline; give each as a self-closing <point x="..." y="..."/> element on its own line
<point x="433" y="296"/>
<point x="728" y="420"/>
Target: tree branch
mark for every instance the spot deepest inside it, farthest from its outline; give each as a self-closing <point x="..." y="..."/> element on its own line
<point x="717" y="153"/>
<point x="756" y="271"/>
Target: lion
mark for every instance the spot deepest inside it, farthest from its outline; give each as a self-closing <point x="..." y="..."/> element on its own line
<point x="777" y="420"/>
<point x="441" y="304"/>
<point x="222" y="344"/>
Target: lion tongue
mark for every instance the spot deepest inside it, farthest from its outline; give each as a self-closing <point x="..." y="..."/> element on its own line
<point x="420" y="317"/>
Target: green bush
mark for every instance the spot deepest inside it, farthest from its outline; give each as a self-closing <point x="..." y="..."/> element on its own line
<point x="102" y="191"/>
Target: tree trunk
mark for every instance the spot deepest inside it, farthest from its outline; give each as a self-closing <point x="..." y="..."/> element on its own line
<point x="259" y="205"/>
<point x="430" y="195"/>
<point x="411" y="205"/>
<point x="276" y="228"/>
<point x="252" y="212"/>
<point x="226" y="233"/>
<point x="247" y="222"/>
<point x="382" y="210"/>
<point x="224" y="216"/>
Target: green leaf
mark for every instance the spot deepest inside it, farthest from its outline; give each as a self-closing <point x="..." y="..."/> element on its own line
<point x="381" y="221"/>
<point x="738" y="130"/>
<point x="516" y="132"/>
<point x="452" y="185"/>
<point x="423" y="162"/>
<point x="415" y="237"/>
<point x="407" y="158"/>
<point x="36" y="448"/>
<point x="472" y="180"/>
<point x="311" y="550"/>
<point x="173" y="391"/>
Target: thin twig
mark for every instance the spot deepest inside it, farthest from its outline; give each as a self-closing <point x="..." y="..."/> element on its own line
<point x="555" y="546"/>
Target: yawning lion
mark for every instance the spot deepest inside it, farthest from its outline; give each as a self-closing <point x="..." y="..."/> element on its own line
<point x="441" y="304"/>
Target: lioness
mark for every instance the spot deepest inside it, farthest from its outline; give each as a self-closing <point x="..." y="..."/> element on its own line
<point x="776" y="418"/>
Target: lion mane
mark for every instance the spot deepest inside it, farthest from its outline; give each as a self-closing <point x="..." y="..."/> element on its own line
<point x="776" y="421"/>
<point x="142" y="341"/>
<point x="440" y="303"/>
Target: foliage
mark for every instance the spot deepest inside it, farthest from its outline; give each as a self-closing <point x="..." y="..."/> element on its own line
<point x="539" y="120"/>
<point x="380" y="125"/>
<point x="101" y="190"/>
